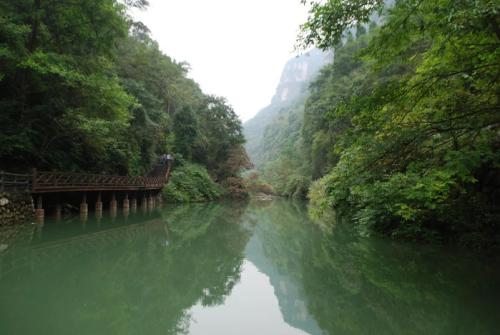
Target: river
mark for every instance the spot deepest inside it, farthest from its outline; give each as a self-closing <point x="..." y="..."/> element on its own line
<point x="233" y="268"/>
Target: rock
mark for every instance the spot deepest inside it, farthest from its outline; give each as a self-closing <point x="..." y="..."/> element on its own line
<point x="4" y="201"/>
<point x="14" y="208"/>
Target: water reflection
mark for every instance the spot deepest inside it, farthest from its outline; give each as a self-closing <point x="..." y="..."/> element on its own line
<point x="235" y="268"/>
<point x="339" y="283"/>
<point x="138" y="278"/>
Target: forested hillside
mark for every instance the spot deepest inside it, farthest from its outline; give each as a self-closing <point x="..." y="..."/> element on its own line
<point x="83" y="87"/>
<point x="401" y="132"/>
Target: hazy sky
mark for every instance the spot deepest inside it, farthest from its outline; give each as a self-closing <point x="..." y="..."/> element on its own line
<point x="236" y="48"/>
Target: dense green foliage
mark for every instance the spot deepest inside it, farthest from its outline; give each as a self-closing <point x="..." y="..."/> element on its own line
<point x="191" y="183"/>
<point x="401" y="132"/>
<point x="84" y="88"/>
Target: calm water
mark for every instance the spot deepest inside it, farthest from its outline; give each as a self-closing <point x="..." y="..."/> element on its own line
<point x="261" y="268"/>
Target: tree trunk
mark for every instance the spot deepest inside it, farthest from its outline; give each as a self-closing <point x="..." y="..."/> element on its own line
<point x="35" y="23"/>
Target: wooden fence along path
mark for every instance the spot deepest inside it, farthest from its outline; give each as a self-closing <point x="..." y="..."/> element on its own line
<point x="49" y="182"/>
<point x="14" y="182"/>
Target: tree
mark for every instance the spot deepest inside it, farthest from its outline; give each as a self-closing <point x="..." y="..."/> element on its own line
<point x="329" y="20"/>
<point x="185" y="131"/>
<point x="60" y="100"/>
<point x="420" y="142"/>
<point x="222" y="135"/>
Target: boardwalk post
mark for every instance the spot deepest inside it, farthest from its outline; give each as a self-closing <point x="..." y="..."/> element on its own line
<point x="113" y="206"/>
<point x="58" y="211"/>
<point x="33" y="179"/>
<point x="144" y="203"/>
<point x="133" y="203"/>
<point x="98" y="208"/>
<point x="150" y="201"/>
<point x="39" y="211"/>
<point x="98" y="216"/>
<point x="84" y="207"/>
<point x="126" y="202"/>
<point x="126" y="206"/>
<point x="56" y="183"/>
<point x="98" y="203"/>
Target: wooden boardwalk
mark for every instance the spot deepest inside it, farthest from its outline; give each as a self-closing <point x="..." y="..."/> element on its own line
<point x="50" y="182"/>
<point x="95" y="186"/>
<point x="14" y="182"/>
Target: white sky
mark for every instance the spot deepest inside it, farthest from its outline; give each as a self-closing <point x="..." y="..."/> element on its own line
<point x="236" y="49"/>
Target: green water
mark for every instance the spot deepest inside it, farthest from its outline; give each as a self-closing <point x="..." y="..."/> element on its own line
<point x="258" y="268"/>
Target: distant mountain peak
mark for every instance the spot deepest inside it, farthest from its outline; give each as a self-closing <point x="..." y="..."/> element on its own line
<point x="299" y="71"/>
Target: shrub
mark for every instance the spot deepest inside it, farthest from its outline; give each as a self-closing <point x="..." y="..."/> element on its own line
<point x="191" y="183"/>
<point x="235" y="188"/>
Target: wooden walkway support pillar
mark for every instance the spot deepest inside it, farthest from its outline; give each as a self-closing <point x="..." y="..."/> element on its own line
<point x="98" y="203"/>
<point x="133" y="204"/>
<point x="98" y="208"/>
<point x="39" y="211"/>
<point x="126" y="202"/>
<point x="58" y="212"/>
<point x="151" y="201"/>
<point x="144" y="203"/>
<point x="126" y="206"/>
<point x="84" y="208"/>
<point x="98" y="216"/>
<point x="113" y="205"/>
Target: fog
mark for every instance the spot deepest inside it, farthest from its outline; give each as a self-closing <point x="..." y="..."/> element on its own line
<point x="236" y="49"/>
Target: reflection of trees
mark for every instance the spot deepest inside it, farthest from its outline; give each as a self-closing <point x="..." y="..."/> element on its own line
<point x="374" y="286"/>
<point x="353" y="285"/>
<point x="144" y="285"/>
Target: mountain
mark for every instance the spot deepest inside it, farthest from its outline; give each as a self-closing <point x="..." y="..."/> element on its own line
<point x="287" y="101"/>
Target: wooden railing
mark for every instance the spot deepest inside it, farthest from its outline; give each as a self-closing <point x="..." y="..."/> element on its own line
<point x="15" y="182"/>
<point x="44" y="182"/>
<point x="47" y="182"/>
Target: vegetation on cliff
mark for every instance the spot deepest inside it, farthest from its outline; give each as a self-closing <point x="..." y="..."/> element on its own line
<point x="401" y="131"/>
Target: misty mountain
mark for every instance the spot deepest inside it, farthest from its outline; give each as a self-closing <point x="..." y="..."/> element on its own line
<point x="286" y="103"/>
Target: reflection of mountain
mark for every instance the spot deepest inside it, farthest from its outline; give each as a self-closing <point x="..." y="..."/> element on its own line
<point x="291" y="297"/>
